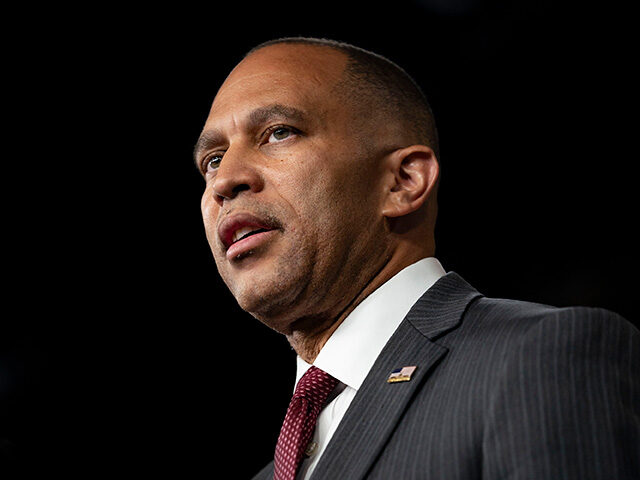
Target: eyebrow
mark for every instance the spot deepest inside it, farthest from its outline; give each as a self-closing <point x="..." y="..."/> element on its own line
<point x="259" y="116"/>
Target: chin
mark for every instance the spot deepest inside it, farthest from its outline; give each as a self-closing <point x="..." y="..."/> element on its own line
<point x="274" y="302"/>
<point x="270" y="285"/>
<point x="260" y="300"/>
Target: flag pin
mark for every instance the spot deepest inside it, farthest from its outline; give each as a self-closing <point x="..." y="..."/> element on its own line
<point x="401" y="374"/>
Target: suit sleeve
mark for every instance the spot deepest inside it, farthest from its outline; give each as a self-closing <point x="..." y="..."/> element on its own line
<point x="567" y="404"/>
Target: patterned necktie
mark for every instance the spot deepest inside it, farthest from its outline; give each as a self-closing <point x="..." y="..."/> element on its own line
<point x="310" y="396"/>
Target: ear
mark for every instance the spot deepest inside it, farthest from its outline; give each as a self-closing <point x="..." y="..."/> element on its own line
<point x="413" y="174"/>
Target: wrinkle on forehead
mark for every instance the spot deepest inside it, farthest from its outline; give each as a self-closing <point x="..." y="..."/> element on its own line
<point x="230" y="82"/>
<point x="319" y="65"/>
<point x="290" y="75"/>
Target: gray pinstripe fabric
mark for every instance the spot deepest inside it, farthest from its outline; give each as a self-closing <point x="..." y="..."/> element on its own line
<point x="503" y="390"/>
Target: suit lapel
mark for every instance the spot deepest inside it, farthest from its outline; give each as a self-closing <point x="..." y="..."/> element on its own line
<point x="378" y="405"/>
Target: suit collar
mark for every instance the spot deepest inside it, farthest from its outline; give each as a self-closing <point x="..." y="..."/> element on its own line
<point x="379" y="405"/>
<point x="441" y="308"/>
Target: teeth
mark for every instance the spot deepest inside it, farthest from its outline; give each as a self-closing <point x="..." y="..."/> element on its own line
<point x="238" y="234"/>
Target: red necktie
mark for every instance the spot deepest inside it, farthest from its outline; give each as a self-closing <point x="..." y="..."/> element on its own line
<point x="310" y="396"/>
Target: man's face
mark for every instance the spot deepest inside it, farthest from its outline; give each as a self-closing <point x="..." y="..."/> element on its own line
<point x="292" y="201"/>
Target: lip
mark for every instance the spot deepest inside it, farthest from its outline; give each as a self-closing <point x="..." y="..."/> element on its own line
<point x="231" y="224"/>
<point x="246" y="244"/>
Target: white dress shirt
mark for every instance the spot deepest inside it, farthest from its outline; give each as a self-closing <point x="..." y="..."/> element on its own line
<point x="353" y="348"/>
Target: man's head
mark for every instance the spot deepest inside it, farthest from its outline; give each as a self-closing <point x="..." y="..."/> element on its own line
<point x="325" y="153"/>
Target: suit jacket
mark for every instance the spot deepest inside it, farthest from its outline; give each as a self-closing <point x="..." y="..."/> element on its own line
<point x="503" y="390"/>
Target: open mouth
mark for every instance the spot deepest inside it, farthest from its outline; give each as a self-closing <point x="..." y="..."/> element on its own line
<point x="246" y="240"/>
<point x="246" y="232"/>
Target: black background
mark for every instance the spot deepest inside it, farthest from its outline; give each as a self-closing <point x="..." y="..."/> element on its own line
<point x="121" y="350"/>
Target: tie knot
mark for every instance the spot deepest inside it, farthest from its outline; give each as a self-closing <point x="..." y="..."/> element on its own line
<point x="315" y="385"/>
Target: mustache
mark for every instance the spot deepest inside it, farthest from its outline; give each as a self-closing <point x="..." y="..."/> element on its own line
<point x="268" y="214"/>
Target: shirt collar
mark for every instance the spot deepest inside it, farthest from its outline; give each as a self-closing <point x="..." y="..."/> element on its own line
<point x="353" y="348"/>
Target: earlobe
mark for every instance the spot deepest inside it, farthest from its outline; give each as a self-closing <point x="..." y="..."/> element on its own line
<point x="413" y="175"/>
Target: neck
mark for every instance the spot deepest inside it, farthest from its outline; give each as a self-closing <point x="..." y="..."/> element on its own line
<point x="308" y="342"/>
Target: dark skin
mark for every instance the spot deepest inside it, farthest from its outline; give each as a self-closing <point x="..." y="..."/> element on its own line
<point x="339" y="204"/>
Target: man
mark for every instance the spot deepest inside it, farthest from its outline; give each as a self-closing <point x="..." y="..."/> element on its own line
<point x="321" y="170"/>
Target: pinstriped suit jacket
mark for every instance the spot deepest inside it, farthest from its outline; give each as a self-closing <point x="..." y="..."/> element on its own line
<point x="503" y="390"/>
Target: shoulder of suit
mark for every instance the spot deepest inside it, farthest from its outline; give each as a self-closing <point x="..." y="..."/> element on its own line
<point x="530" y="314"/>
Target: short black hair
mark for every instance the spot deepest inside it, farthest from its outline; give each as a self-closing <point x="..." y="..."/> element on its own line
<point x="374" y="80"/>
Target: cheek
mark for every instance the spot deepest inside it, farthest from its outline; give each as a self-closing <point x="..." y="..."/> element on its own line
<point x="325" y="210"/>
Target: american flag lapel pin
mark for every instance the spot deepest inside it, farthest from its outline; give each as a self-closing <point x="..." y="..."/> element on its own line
<point x="401" y="374"/>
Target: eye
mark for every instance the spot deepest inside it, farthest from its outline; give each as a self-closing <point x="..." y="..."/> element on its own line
<point x="280" y="133"/>
<point x="212" y="162"/>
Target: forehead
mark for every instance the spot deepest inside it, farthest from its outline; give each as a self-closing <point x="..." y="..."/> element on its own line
<point x="299" y="75"/>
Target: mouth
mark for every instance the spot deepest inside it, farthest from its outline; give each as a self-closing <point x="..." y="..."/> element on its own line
<point x="245" y="232"/>
<point x="242" y="232"/>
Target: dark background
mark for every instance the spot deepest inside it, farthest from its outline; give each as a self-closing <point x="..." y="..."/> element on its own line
<point x="121" y="350"/>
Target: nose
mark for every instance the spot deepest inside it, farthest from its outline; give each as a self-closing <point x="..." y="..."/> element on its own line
<point x="237" y="173"/>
